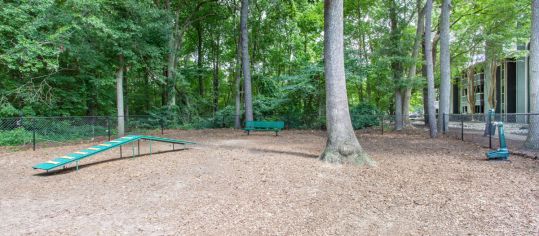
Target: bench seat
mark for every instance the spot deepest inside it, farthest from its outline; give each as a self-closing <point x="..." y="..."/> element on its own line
<point x="273" y="126"/>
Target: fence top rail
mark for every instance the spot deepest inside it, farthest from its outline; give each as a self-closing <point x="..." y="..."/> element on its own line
<point x="67" y="117"/>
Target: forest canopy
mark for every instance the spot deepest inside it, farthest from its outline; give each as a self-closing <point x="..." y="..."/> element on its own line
<point x="181" y="57"/>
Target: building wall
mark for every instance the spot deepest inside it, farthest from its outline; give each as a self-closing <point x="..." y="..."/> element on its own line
<point x="512" y="90"/>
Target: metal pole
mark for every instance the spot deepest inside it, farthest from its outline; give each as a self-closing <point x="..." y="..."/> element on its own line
<point x="161" y="127"/>
<point x="108" y="126"/>
<point x="121" y="151"/>
<point x="150" y="147"/>
<point x="461" y="127"/>
<point x="489" y="130"/>
<point x="34" y="139"/>
<point x="138" y="147"/>
<point x="34" y="135"/>
<point x="133" y="148"/>
<point x="382" y="124"/>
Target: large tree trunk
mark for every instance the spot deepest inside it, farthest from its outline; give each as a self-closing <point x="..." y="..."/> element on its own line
<point x="342" y="145"/>
<point x="430" y="70"/>
<point x="396" y="65"/>
<point x="248" y="96"/>
<point x="413" y="67"/>
<point x="445" y="68"/>
<point x="120" y="95"/>
<point x="532" y="141"/>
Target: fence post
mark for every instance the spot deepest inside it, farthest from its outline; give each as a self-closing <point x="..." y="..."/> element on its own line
<point x="162" y="126"/>
<point x="382" y="124"/>
<point x="108" y="126"/>
<point x="34" y="134"/>
<point x="461" y="127"/>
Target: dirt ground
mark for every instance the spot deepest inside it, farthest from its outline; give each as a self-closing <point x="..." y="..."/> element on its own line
<point x="233" y="184"/>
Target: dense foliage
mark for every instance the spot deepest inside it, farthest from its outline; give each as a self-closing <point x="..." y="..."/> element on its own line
<point x="58" y="58"/>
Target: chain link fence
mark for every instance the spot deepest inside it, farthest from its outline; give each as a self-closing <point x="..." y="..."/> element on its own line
<point x="38" y="132"/>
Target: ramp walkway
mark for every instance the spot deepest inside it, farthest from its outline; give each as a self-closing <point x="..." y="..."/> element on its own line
<point x="88" y="152"/>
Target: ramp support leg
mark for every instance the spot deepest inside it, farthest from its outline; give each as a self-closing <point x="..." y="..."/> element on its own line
<point x="150" y="147"/>
<point x="133" y="148"/>
<point x="138" y="147"/>
<point x="77" y="165"/>
<point x="121" y="151"/>
<point x="173" y="148"/>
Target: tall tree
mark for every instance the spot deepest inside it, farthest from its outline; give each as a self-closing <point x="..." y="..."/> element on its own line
<point x="248" y="96"/>
<point x="342" y="145"/>
<point x="430" y="69"/>
<point x="445" y="67"/>
<point x="120" y="95"/>
<point x="237" y="86"/>
<point x="420" y="28"/>
<point x="532" y="141"/>
<point x="396" y="64"/>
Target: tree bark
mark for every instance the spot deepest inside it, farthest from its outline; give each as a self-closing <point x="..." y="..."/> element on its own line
<point x="396" y="65"/>
<point x="470" y="73"/>
<point x="248" y="96"/>
<point x="216" y="75"/>
<point x="171" y="64"/>
<point x="199" y="61"/>
<point x="445" y="67"/>
<point x="489" y="82"/>
<point x="342" y="145"/>
<point x="413" y="67"/>
<point x="425" y="90"/>
<point x="430" y="70"/>
<point x="120" y="95"/>
<point x="532" y="140"/>
<point x="237" y="87"/>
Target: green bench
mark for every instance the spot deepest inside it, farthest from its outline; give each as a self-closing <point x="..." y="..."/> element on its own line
<point x="274" y="126"/>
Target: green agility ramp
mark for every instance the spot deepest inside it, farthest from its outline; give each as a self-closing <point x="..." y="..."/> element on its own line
<point x="88" y="152"/>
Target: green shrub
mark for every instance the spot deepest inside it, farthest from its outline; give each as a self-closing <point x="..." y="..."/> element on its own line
<point x="365" y="115"/>
<point x="15" y="137"/>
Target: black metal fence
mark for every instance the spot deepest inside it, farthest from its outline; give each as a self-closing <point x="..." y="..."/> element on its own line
<point x="481" y="129"/>
<point x="49" y="131"/>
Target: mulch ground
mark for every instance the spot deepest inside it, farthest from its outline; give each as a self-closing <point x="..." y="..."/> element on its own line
<point x="233" y="184"/>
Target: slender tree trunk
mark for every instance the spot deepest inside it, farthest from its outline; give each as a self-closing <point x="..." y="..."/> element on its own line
<point x="470" y="73"/>
<point x="216" y="75"/>
<point x="237" y="87"/>
<point x="126" y="100"/>
<point x="425" y="89"/>
<point x="120" y="95"/>
<point x="445" y="67"/>
<point x="199" y="61"/>
<point x="171" y="64"/>
<point x="532" y="141"/>
<point x="396" y="65"/>
<point x="248" y="96"/>
<point x="342" y="145"/>
<point x="430" y="70"/>
<point x="413" y="67"/>
<point x="489" y="57"/>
